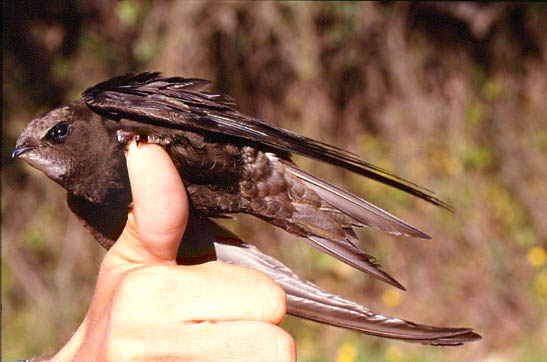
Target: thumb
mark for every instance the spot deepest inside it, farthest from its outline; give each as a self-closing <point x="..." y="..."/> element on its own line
<point x="157" y="221"/>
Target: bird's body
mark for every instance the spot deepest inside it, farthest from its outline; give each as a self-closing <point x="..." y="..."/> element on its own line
<point x="230" y="163"/>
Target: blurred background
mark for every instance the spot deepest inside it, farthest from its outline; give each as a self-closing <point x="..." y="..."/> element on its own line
<point x="451" y="96"/>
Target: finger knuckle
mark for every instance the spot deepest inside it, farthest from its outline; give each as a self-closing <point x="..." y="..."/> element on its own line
<point x="286" y="347"/>
<point x="276" y="304"/>
<point x="275" y="343"/>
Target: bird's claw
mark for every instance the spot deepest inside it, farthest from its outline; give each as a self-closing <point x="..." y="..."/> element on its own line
<point x="140" y="139"/>
<point x="126" y="137"/>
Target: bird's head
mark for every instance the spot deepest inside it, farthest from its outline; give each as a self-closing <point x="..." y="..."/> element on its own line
<point x="72" y="146"/>
<point x="45" y="143"/>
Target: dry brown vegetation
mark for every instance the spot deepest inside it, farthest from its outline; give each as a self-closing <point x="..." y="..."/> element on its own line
<point x="451" y="96"/>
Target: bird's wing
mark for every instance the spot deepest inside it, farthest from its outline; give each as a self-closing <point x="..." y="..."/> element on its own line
<point x="180" y="103"/>
<point x="348" y="253"/>
<point x="354" y="206"/>
<point x="306" y="300"/>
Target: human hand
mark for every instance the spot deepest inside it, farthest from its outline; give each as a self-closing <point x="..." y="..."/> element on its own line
<point x="146" y="307"/>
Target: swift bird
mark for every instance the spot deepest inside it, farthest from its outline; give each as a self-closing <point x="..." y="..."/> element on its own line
<point x="230" y="163"/>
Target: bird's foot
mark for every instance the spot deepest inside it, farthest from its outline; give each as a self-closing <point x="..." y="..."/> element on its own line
<point x="125" y="137"/>
<point x="140" y="139"/>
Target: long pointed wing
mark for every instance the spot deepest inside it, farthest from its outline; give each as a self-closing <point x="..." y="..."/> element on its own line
<point x="353" y="256"/>
<point x="179" y="103"/>
<point x="356" y="207"/>
<point x="306" y="300"/>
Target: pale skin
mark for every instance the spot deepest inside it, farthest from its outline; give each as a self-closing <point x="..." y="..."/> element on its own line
<point x="147" y="308"/>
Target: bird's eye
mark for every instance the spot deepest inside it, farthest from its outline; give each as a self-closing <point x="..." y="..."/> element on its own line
<point x="58" y="132"/>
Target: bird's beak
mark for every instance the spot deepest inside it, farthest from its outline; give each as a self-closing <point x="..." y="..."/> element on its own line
<point x="19" y="150"/>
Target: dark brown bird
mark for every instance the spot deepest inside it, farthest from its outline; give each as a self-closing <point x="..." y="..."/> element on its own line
<point x="230" y="163"/>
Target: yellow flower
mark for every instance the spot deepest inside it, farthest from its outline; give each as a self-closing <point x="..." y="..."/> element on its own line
<point x="391" y="298"/>
<point x="346" y="353"/>
<point x="537" y="256"/>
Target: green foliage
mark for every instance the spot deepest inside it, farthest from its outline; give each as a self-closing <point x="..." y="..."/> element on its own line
<point x="492" y="89"/>
<point x="475" y="114"/>
<point x="128" y="12"/>
<point x="478" y="157"/>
